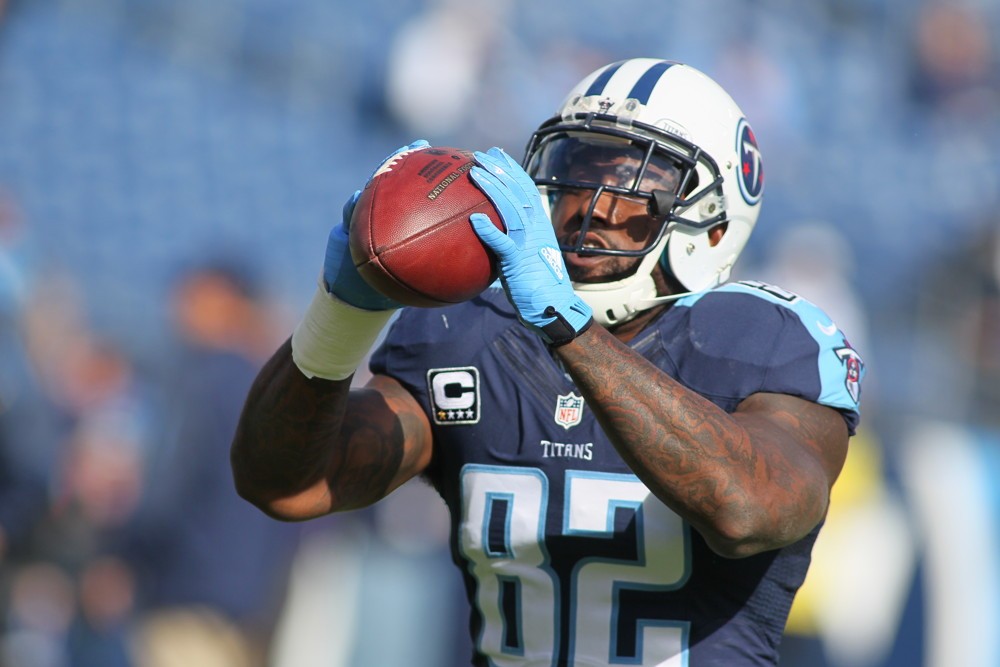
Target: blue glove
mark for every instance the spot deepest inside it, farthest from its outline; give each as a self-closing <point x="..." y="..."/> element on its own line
<point x="532" y="270"/>
<point x="340" y="275"/>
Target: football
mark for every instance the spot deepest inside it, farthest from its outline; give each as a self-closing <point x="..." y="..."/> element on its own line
<point x="410" y="234"/>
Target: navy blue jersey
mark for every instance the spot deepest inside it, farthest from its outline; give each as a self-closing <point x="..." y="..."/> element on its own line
<point x="568" y="558"/>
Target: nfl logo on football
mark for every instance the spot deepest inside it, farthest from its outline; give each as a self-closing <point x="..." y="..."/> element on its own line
<point x="569" y="410"/>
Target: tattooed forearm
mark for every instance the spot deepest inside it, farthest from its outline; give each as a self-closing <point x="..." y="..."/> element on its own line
<point x="740" y="479"/>
<point x="660" y="434"/>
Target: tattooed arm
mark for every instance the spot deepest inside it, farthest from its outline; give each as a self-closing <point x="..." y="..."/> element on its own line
<point x="750" y="481"/>
<point x="308" y="447"/>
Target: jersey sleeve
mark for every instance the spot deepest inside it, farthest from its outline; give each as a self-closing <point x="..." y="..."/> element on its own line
<point x="770" y="340"/>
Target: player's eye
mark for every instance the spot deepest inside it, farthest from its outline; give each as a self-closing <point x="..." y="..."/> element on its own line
<point x="625" y="175"/>
<point x="660" y="176"/>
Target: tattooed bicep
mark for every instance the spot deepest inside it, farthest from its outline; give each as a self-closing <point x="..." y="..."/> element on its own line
<point x="385" y="421"/>
<point x="819" y="429"/>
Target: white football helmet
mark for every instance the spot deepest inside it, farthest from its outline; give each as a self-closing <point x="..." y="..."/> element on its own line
<point x="661" y="116"/>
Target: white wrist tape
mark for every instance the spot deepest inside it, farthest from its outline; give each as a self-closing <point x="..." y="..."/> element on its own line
<point x="333" y="337"/>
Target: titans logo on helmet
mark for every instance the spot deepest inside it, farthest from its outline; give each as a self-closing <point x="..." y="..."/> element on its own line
<point x="751" y="168"/>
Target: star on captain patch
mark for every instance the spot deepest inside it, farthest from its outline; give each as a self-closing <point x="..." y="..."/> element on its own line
<point x="569" y="410"/>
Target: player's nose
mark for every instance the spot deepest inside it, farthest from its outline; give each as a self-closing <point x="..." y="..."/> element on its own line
<point x="606" y="208"/>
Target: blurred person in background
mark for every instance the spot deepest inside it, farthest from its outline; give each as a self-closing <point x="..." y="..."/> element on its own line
<point x="951" y="440"/>
<point x="29" y="442"/>
<point x="429" y="91"/>
<point x="953" y="75"/>
<point x="58" y="379"/>
<point x="27" y="438"/>
<point x="211" y="571"/>
<point x="85" y="440"/>
<point x="68" y="604"/>
<point x="958" y="317"/>
<point x="839" y="621"/>
<point x="636" y="470"/>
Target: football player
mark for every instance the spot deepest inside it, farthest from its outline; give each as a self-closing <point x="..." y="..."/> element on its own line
<point x="637" y="455"/>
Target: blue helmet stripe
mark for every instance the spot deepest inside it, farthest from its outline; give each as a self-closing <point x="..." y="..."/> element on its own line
<point x="597" y="87"/>
<point x="644" y="86"/>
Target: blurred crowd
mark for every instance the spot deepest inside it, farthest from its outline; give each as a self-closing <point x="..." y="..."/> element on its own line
<point x="123" y="541"/>
<point x="168" y="173"/>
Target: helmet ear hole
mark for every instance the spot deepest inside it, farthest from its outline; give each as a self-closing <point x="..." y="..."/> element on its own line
<point x="716" y="233"/>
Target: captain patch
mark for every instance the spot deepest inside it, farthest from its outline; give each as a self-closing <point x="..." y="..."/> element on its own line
<point x="454" y="395"/>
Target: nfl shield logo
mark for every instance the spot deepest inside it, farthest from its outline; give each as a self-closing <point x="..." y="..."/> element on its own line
<point x="569" y="410"/>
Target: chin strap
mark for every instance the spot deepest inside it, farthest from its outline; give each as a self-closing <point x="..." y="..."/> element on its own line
<point x="646" y="304"/>
<point x="620" y="312"/>
<point x="618" y="302"/>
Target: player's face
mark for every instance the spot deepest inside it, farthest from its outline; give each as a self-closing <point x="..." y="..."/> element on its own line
<point x="618" y="222"/>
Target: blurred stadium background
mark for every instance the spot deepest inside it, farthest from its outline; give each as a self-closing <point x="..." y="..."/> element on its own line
<point x="145" y="144"/>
